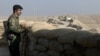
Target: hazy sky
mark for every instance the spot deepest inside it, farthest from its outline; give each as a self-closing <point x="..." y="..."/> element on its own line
<point x="51" y="7"/>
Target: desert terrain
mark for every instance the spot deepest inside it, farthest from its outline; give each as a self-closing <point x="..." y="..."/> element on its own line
<point x="89" y="23"/>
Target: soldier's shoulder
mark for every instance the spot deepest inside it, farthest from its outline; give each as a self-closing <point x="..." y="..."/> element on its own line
<point x="11" y="17"/>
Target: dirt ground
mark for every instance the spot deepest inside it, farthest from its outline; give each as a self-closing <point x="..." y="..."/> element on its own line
<point x="4" y="51"/>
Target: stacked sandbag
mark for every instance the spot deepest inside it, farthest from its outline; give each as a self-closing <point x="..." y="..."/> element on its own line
<point x="41" y="28"/>
<point x="44" y="45"/>
<point x="48" y="40"/>
<point x="92" y="52"/>
<point x="87" y="39"/>
<point x="43" y="39"/>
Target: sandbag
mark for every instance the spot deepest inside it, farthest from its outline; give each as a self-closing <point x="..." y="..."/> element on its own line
<point x="56" y="46"/>
<point x="40" y="48"/>
<point x="34" y="53"/>
<point x="41" y="28"/>
<point x="92" y="52"/>
<point x="87" y="39"/>
<point x="44" y="42"/>
<point x="68" y="47"/>
<point x="68" y="37"/>
<point x="54" y="34"/>
<point x="53" y="53"/>
<point x="43" y="54"/>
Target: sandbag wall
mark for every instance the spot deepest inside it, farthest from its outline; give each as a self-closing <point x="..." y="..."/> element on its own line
<point x="62" y="42"/>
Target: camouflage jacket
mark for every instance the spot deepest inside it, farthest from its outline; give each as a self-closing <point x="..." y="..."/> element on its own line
<point x="13" y="24"/>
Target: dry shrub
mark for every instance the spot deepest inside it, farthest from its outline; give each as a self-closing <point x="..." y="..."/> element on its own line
<point x="41" y="25"/>
<point x="27" y="24"/>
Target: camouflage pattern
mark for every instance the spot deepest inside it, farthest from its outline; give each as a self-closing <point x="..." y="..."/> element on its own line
<point x="13" y="27"/>
<point x="14" y="30"/>
<point x="13" y="24"/>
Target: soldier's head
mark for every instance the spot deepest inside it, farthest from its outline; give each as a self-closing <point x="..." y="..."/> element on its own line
<point x="17" y="9"/>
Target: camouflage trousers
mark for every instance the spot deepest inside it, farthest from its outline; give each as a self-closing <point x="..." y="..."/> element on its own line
<point x="14" y="45"/>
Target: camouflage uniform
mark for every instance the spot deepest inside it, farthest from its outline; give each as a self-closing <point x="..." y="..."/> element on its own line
<point x="14" y="31"/>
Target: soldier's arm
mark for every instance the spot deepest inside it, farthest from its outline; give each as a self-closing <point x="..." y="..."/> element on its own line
<point x="20" y="29"/>
<point x="13" y="27"/>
